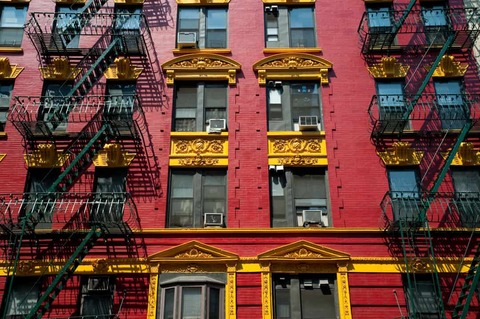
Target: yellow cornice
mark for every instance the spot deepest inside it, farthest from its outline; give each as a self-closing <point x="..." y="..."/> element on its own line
<point x="201" y="67"/>
<point x="9" y="71"/>
<point x="297" y="149"/>
<point x="123" y="69"/>
<point x="288" y="1"/>
<point x="401" y="153"/>
<point x="199" y="149"/>
<point x="202" y="2"/>
<point x="60" y="69"/>
<point x="449" y="68"/>
<point x="15" y="1"/>
<point x="388" y="68"/>
<point x="46" y="156"/>
<point x="113" y="156"/>
<point x="132" y="2"/>
<point x="71" y="1"/>
<point x="292" y="66"/>
<point x="467" y="155"/>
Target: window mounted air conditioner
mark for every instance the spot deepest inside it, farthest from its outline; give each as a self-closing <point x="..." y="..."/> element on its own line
<point x="272" y="10"/>
<point x="308" y="123"/>
<point x="187" y="40"/>
<point x="98" y="283"/>
<point x="213" y="220"/>
<point x="216" y="125"/>
<point x="317" y="217"/>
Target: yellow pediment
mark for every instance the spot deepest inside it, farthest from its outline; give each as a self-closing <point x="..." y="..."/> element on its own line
<point x="304" y="251"/>
<point x="292" y="66"/>
<point x="389" y="68"/>
<point x="449" y="68"/>
<point x="201" y="67"/>
<point x="193" y="251"/>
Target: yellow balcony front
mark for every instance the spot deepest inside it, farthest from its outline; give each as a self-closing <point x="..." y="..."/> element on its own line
<point x="198" y="149"/>
<point x="297" y="148"/>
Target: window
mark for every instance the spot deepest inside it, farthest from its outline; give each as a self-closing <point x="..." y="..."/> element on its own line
<point x="23" y="297"/>
<point x="380" y="23"/>
<point x="306" y="296"/>
<point x="198" y="103"/>
<point x="53" y="100"/>
<point x="422" y="300"/>
<point x="466" y="182"/>
<point x="191" y="296"/>
<point x="66" y="17"/>
<point x="97" y="296"/>
<point x="110" y="184"/>
<point x="435" y="23"/>
<point x="128" y="21"/>
<point x="194" y="193"/>
<point x="404" y="193"/>
<point x="12" y="20"/>
<point x="289" y="27"/>
<point x="287" y="101"/>
<point x="298" y="197"/>
<point x="5" y="95"/>
<point x="120" y="104"/>
<point x="202" y="27"/>
<point x="453" y="111"/>
<point x="392" y="108"/>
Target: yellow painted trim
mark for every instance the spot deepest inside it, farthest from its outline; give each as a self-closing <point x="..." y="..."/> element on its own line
<point x="343" y="289"/>
<point x="449" y="68"/>
<point x="291" y="50"/>
<point x="2" y="156"/>
<point x="59" y="69"/>
<point x="292" y="66"/>
<point x="467" y="155"/>
<point x="297" y="148"/>
<point x="266" y="295"/>
<point x="46" y="156"/>
<point x="152" y="296"/>
<point x="288" y="1"/>
<point x="122" y="69"/>
<point x="388" y="68"/>
<point x="71" y="1"/>
<point x="401" y="153"/>
<point x="198" y="149"/>
<point x="132" y="2"/>
<point x="113" y="156"/>
<point x="9" y="71"/>
<point x="231" y="293"/>
<point x="213" y="51"/>
<point x="201" y="67"/>
<point x="15" y="1"/>
<point x="203" y="2"/>
<point x="11" y="50"/>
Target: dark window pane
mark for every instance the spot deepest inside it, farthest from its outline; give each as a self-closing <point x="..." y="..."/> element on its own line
<point x="214" y="304"/>
<point x="305" y="100"/>
<point x="192" y="302"/>
<point x="302" y="31"/>
<point x="216" y="33"/>
<point x="168" y="307"/>
<point x="188" y="19"/>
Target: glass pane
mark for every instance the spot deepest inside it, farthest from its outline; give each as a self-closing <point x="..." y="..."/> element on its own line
<point x="13" y="16"/>
<point x="128" y="19"/>
<point x="23" y="298"/>
<point x="214" y="304"/>
<point x="185" y="125"/>
<point x="5" y="92"/>
<point x="282" y="299"/>
<point x="169" y="303"/>
<point x="302" y="38"/>
<point x="309" y="186"/>
<point x="434" y="16"/>
<point x="312" y="304"/>
<point x="301" y="18"/>
<point x="11" y="37"/>
<point x="403" y="183"/>
<point x="466" y="180"/>
<point x="188" y="19"/>
<point x="215" y="113"/>
<point x="379" y="17"/>
<point x="192" y="303"/>
<point x="96" y="305"/>
<point x="302" y="30"/>
<point x="216" y="18"/>
<point x="186" y="96"/>
<point x="215" y="95"/>
<point x="216" y="39"/>
<point x="182" y="185"/>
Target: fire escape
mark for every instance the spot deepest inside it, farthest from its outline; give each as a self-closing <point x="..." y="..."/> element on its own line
<point x="402" y="40"/>
<point x="92" y="121"/>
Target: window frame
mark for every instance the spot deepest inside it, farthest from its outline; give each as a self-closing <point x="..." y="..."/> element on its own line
<point x="405" y="203"/>
<point x="26" y="283"/>
<point x="202" y="29"/>
<point x="4" y="109"/>
<point x="49" y="103"/>
<point x="466" y="184"/>
<point x="450" y="102"/>
<point x="20" y="26"/>
<point x="392" y="107"/>
<point x="423" y="281"/>
<point x="281" y="16"/>
<point x="109" y="201"/>
<point x="85" y="292"/>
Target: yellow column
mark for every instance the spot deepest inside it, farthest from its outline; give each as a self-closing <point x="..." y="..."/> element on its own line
<point x="343" y="292"/>
<point x="266" y="292"/>
<point x="153" y="294"/>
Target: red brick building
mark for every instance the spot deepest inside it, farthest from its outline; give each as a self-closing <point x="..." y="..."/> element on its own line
<point x="239" y="159"/>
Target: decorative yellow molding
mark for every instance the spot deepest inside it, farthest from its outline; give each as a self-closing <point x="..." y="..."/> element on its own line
<point x="203" y="2"/>
<point x="388" y="68"/>
<point x="7" y="70"/>
<point x="46" y="156"/>
<point x="231" y="293"/>
<point x="449" y="68"/>
<point x="60" y="69"/>
<point x="2" y="156"/>
<point x="266" y="295"/>
<point x="113" y="156"/>
<point x="297" y="149"/>
<point x="71" y="1"/>
<point x="201" y="67"/>
<point x="123" y="69"/>
<point x="344" y="296"/>
<point x="401" y="153"/>
<point x="292" y="66"/>
<point x="291" y="50"/>
<point x="200" y="149"/>
<point x="138" y="2"/>
<point x="288" y="1"/>
<point x="152" y="296"/>
<point x="100" y="266"/>
<point x="201" y="51"/>
<point x="15" y="1"/>
<point x="467" y="155"/>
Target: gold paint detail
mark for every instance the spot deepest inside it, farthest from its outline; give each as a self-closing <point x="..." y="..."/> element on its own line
<point x="467" y="155"/>
<point x="199" y="150"/>
<point x="401" y="153"/>
<point x="288" y="1"/>
<point x="2" y="156"/>
<point x="112" y="155"/>
<point x="194" y="253"/>
<point x="292" y="66"/>
<point x="201" y="67"/>
<point x="26" y="267"/>
<point x="266" y="293"/>
<point x="9" y="71"/>
<point x="123" y="69"/>
<point x="291" y="50"/>
<point x="71" y="1"/>
<point x="100" y="266"/>
<point x="46" y="156"/>
<point x="344" y="295"/>
<point x="152" y="296"/>
<point x="292" y="149"/>
<point x="129" y="1"/>
<point x="60" y="69"/>
<point x="203" y="2"/>
<point x="448" y="68"/>
<point x="231" y="297"/>
<point x="191" y="252"/>
<point x="209" y="50"/>
<point x="418" y="264"/>
<point x="388" y="68"/>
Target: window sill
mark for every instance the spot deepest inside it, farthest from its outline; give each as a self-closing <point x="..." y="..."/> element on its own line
<point x="3" y="135"/>
<point x="292" y="50"/>
<point x="217" y="51"/>
<point x="296" y="133"/>
<point x="15" y="1"/>
<point x="11" y="50"/>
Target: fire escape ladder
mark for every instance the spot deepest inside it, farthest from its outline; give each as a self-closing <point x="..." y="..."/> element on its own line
<point x="468" y="289"/>
<point x="67" y="271"/>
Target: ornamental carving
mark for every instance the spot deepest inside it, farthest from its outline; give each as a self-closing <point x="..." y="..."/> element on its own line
<point x="303" y="253"/>
<point x="231" y="291"/>
<point x="152" y="293"/>
<point x="449" y="68"/>
<point x="25" y="266"/>
<point x="345" y="295"/>
<point x="419" y="264"/>
<point x="296" y="150"/>
<point x="201" y="66"/>
<point x="194" y="253"/>
<point x="202" y="149"/>
<point x="467" y="155"/>
<point x="296" y="145"/>
<point x="100" y="266"/>
<point x="46" y="156"/>
<point x="401" y="153"/>
<point x="388" y="68"/>
<point x="266" y="294"/>
<point x="297" y="160"/>
<point x="123" y="69"/>
<point x="198" y="161"/>
<point x="9" y="71"/>
<point x="199" y="146"/>
<point x="60" y="69"/>
<point x="112" y="155"/>
<point x="296" y="66"/>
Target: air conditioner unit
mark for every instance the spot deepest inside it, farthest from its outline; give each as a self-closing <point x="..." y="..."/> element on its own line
<point x="213" y="219"/>
<point x="308" y="123"/>
<point x="187" y="40"/>
<point x="315" y="216"/>
<point x="98" y="283"/>
<point x="216" y="125"/>
<point x="272" y="10"/>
